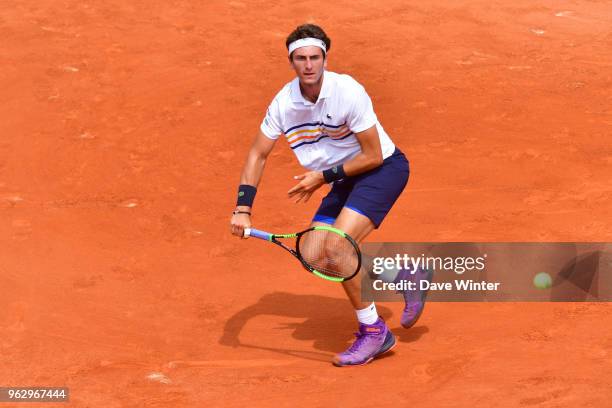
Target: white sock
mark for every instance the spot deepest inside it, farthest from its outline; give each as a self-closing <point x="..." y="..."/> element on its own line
<point x="369" y="315"/>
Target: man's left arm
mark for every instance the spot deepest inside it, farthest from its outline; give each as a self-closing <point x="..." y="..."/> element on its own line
<point x="369" y="158"/>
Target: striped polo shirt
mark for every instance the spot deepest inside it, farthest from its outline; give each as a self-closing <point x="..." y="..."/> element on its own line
<point x="322" y="134"/>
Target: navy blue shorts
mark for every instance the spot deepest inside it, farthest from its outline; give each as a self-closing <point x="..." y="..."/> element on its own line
<point x="372" y="193"/>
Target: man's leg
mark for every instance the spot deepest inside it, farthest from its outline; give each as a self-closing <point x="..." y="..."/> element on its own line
<point x="358" y="226"/>
<point x="374" y="337"/>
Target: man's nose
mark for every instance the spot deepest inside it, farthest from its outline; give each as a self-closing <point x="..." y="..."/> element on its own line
<point x="308" y="64"/>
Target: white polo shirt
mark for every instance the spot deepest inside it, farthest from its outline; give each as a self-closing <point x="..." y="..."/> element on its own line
<point x="322" y="134"/>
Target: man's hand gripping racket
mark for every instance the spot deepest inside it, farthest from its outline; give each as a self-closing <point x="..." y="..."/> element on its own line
<point x="327" y="252"/>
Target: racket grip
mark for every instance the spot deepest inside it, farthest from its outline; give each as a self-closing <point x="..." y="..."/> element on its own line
<point x="252" y="232"/>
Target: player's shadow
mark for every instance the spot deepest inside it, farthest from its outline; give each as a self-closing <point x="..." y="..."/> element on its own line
<point x="328" y="323"/>
<point x="410" y="335"/>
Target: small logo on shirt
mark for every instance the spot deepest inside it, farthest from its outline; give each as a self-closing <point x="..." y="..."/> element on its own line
<point x="328" y="116"/>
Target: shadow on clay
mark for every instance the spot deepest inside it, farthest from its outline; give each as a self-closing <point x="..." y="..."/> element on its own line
<point x="327" y="325"/>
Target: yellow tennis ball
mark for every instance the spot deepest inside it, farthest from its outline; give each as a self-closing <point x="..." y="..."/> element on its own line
<point x="542" y="280"/>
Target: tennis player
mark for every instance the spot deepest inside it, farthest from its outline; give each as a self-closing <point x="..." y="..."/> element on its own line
<point x="329" y="122"/>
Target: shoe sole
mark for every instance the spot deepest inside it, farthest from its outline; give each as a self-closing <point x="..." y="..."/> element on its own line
<point x="417" y="317"/>
<point x="380" y="353"/>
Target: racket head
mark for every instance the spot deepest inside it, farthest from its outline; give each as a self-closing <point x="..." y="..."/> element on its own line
<point x="329" y="253"/>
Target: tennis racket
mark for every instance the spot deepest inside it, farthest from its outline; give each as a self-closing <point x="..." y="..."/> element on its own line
<point x="326" y="252"/>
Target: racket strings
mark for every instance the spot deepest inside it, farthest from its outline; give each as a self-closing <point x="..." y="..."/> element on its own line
<point x="329" y="253"/>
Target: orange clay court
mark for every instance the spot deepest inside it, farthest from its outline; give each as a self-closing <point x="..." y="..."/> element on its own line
<point x="123" y="129"/>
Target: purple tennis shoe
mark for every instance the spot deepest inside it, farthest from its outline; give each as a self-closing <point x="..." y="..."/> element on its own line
<point x="414" y="299"/>
<point x="372" y="341"/>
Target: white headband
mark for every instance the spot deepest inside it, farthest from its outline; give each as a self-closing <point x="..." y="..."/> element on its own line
<point x="305" y="42"/>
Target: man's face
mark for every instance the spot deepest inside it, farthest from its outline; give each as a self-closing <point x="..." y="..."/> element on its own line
<point x="308" y="63"/>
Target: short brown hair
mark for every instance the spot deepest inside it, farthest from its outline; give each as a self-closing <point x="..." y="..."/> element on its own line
<point x="308" y="31"/>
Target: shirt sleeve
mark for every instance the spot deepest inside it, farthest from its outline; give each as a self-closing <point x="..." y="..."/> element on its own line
<point x="361" y="116"/>
<point x="271" y="125"/>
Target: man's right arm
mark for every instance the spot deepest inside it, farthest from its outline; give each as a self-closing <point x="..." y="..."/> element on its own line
<point x="251" y="175"/>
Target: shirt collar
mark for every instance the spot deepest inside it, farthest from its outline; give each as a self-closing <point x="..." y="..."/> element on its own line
<point x="296" y="94"/>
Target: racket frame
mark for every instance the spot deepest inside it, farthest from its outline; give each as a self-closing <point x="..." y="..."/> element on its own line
<point x="252" y="232"/>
